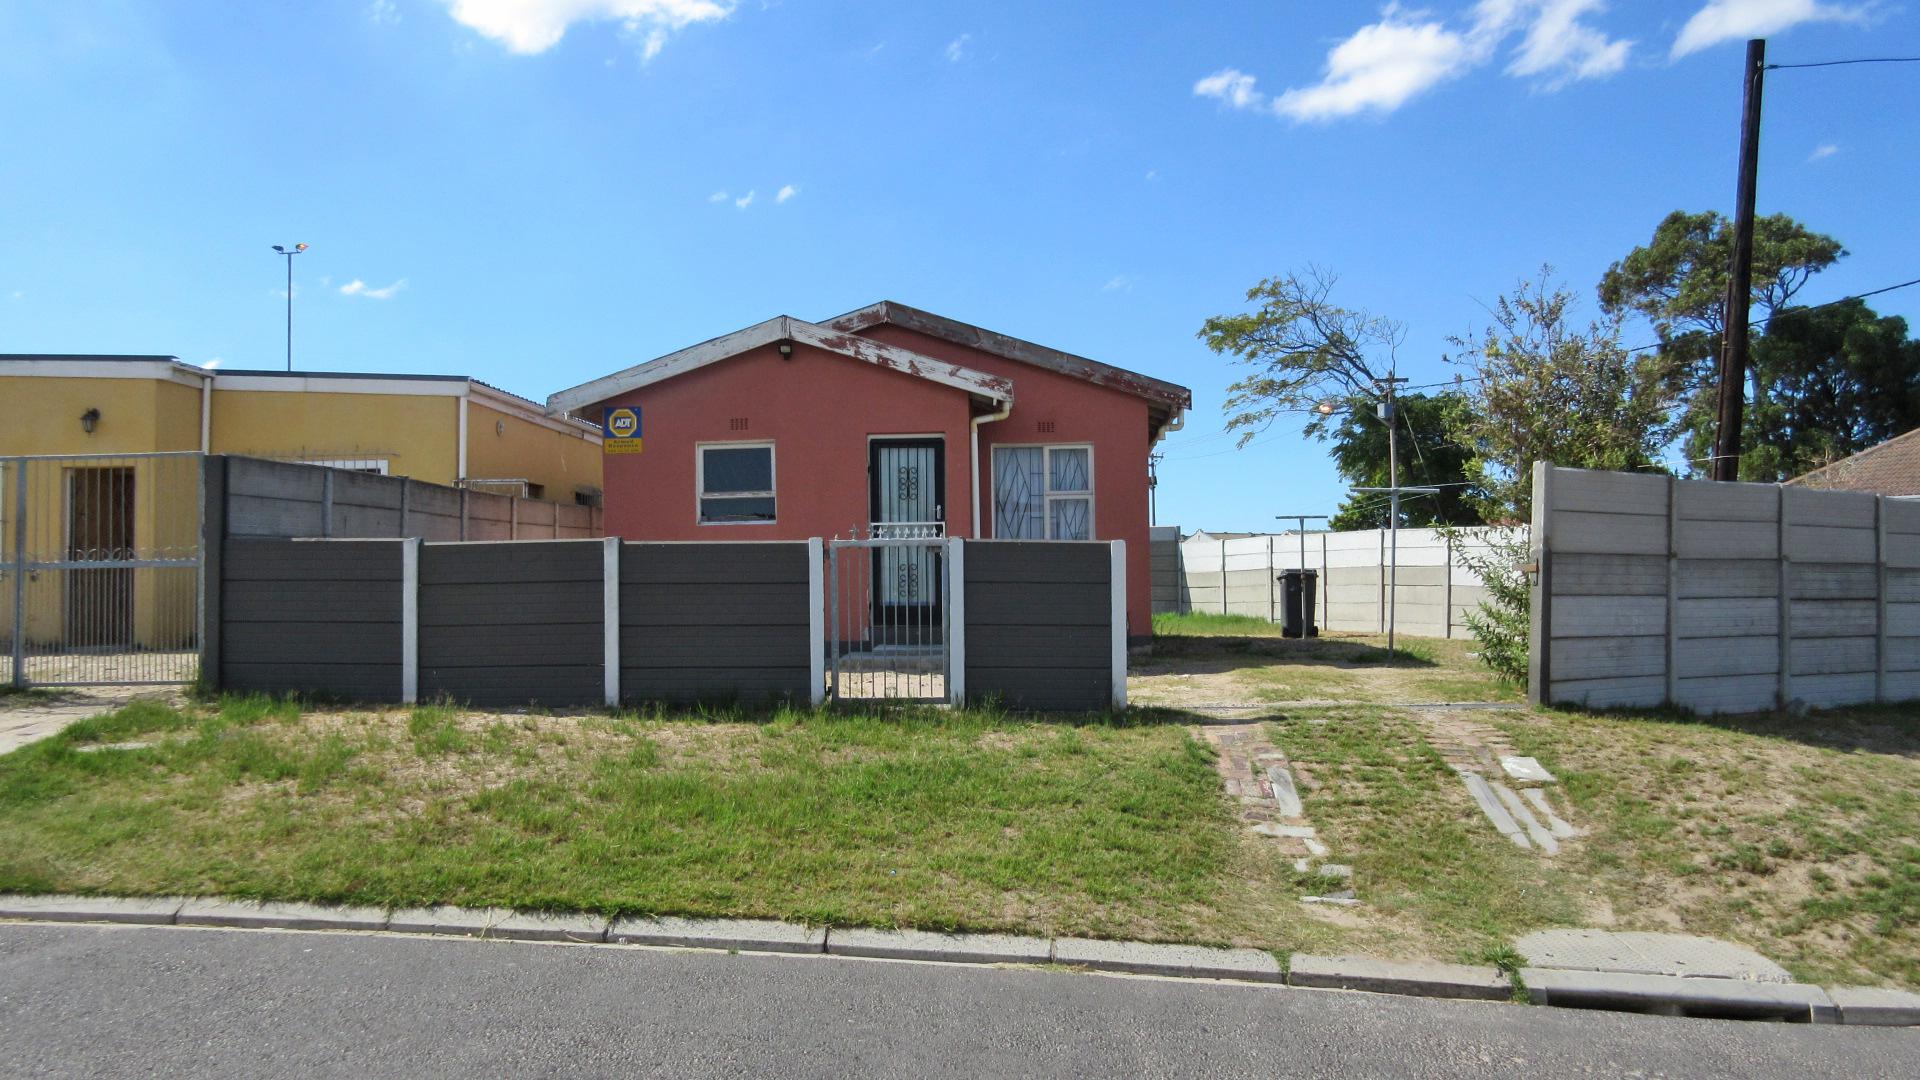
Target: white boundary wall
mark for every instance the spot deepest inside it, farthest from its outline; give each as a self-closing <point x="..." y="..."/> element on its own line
<point x="1721" y="597"/>
<point x="1434" y="590"/>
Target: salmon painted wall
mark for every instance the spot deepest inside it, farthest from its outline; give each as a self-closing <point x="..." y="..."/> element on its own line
<point x="818" y="410"/>
<point x="1113" y="421"/>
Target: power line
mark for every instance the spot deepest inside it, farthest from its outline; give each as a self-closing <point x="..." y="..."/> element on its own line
<point x="1838" y="63"/>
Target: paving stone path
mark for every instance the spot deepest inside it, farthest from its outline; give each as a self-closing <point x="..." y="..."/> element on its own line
<point x="1258" y="774"/>
<point x="1503" y="784"/>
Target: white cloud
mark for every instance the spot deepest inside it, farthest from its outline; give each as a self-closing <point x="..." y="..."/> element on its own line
<point x="786" y="193"/>
<point x="1233" y="86"/>
<point x="534" y="26"/>
<point x="1118" y="283"/>
<point x="957" y="48"/>
<point x="383" y="13"/>
<point x="213" y="363"/>
<point x="1737" y="20"/>
<point x="356" y="287"/>
<point x="1381" y="67"/>
<point x="1153" y="174"/>
<point x="719" y="196"/>
<point x="17" y="294"/>
<point x="1824" y="150"/>
<point x="1386" y="64"/>
<point x="1559" y="48"/>
<point x="745" y="201"/>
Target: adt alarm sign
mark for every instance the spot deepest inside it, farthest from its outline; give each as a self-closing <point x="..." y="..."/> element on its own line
<point x="620" y="430"/>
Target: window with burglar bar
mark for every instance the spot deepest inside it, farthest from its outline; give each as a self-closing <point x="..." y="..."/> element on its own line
<point x="1043" y="492"/>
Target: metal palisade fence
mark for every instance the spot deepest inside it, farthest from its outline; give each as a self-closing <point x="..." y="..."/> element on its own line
<point x="101" y="582"/>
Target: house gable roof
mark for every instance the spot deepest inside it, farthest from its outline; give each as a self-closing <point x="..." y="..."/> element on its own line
<point x="1891" y="468"/>
<point x="994" y="389"/>
<point x="1167" y="400"/>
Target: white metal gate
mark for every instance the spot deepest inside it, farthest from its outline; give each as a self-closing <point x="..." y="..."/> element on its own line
<point x="888" y="595"/>
<point x="101" y="580"/>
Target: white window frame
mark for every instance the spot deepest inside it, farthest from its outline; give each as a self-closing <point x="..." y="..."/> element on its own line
<point x="1046" y="477"/>
<point x="700" y="479"/>
<point x="377" y="466"/>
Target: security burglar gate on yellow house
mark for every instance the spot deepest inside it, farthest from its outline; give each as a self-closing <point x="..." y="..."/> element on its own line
<point x="101" y="577"/>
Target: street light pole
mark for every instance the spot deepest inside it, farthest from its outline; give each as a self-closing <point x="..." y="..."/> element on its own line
<point x="290" y="253"/>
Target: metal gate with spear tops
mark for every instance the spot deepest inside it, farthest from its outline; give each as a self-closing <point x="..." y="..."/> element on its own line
<point x="889" y="596"/>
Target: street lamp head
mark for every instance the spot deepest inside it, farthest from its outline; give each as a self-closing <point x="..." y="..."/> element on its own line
<point x="1325" y="408"/>
<point x="299" y="247"/>
<point x="279" y="249"/>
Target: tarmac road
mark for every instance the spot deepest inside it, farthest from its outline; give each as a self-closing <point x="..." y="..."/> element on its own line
<point x="174" y="1001"/>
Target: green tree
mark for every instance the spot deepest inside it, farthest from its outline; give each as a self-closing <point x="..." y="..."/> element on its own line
<point x="1678" y="282"/>
<point x="1544" y="389"/>
<point x="1428" y="458"/>
<point x="1840" y="378"/>
<point x="1301" y="350"/>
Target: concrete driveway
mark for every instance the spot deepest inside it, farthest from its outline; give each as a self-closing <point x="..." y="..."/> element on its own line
<point x="93" y="1001"/>
<point x="30" y="717"/>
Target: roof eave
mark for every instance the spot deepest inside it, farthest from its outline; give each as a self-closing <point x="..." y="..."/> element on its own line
<point x="1177" y="398"/>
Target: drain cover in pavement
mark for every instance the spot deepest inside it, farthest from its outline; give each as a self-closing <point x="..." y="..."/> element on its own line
<point x="1648" y="954"/>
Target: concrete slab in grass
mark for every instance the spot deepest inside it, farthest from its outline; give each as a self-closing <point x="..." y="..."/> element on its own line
<point x="1192" y="961"/>
<point x="745" y="935"/>
<point x="445" y="919"/>
<point x="1674" y="996"/>
<point x="155" y="910"/>
<point x="279" y="916"/>
<point x="925" y="945"/>
<point x="1398" y="977"/>
<point x="1876" y="1007"/>
<point x="539" y="926"/>
<point x="1643" y="953"/>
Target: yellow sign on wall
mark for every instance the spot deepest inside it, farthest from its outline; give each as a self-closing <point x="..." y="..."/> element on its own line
<point x="620" y="430"/>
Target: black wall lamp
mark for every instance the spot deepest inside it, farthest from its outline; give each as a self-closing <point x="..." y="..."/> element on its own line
<point x="88" y="419"/>
<point x="786" y="350"/>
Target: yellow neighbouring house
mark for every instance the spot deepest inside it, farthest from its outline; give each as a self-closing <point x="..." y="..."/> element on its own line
<point x="442" y="429"/>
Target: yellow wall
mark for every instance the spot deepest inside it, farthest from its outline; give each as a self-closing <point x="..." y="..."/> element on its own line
<point x="41" y="415"/>
<point x="418" y="435"/>
<point x="501" y="446"/>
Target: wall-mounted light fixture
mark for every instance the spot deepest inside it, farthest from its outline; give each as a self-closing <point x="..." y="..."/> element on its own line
<point x="499" y="427"/>
<point x="88" y="419"/>
<point x="786" y="350"/>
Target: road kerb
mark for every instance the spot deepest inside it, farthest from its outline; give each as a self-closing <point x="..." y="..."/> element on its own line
<point x="1185" y="961"/>
<point x="744" y="935"/>
<point x="280" y="916"/>
<point x="1876" y="1007"/>
<point x="146" y="910"/>
<point x="1417" y="979"/>
<point x="948" y="948"/>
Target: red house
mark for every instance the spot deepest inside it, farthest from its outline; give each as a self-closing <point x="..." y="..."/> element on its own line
<point x="790" y="429"/>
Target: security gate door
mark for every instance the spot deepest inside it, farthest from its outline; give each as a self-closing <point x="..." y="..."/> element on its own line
<point x="907" y="479"/>
<point x="99" y="609"/>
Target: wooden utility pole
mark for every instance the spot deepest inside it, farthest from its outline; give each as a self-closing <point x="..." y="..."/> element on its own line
<point x="1733" y="353"/>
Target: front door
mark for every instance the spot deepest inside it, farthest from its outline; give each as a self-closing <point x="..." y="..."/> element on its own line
<point x="907" y="489"/>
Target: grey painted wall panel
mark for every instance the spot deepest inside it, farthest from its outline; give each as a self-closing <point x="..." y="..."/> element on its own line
<point x="1037" y="641"/>
<point x="1841" y="630"/>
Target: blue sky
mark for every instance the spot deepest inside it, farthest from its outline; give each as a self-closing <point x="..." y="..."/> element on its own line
<point x="538" y="192"/>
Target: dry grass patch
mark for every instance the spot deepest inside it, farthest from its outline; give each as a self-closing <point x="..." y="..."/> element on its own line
<point x="1798" y="836"/>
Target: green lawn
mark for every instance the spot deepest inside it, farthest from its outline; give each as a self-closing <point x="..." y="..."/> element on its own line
<point x="930" y="819"/>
